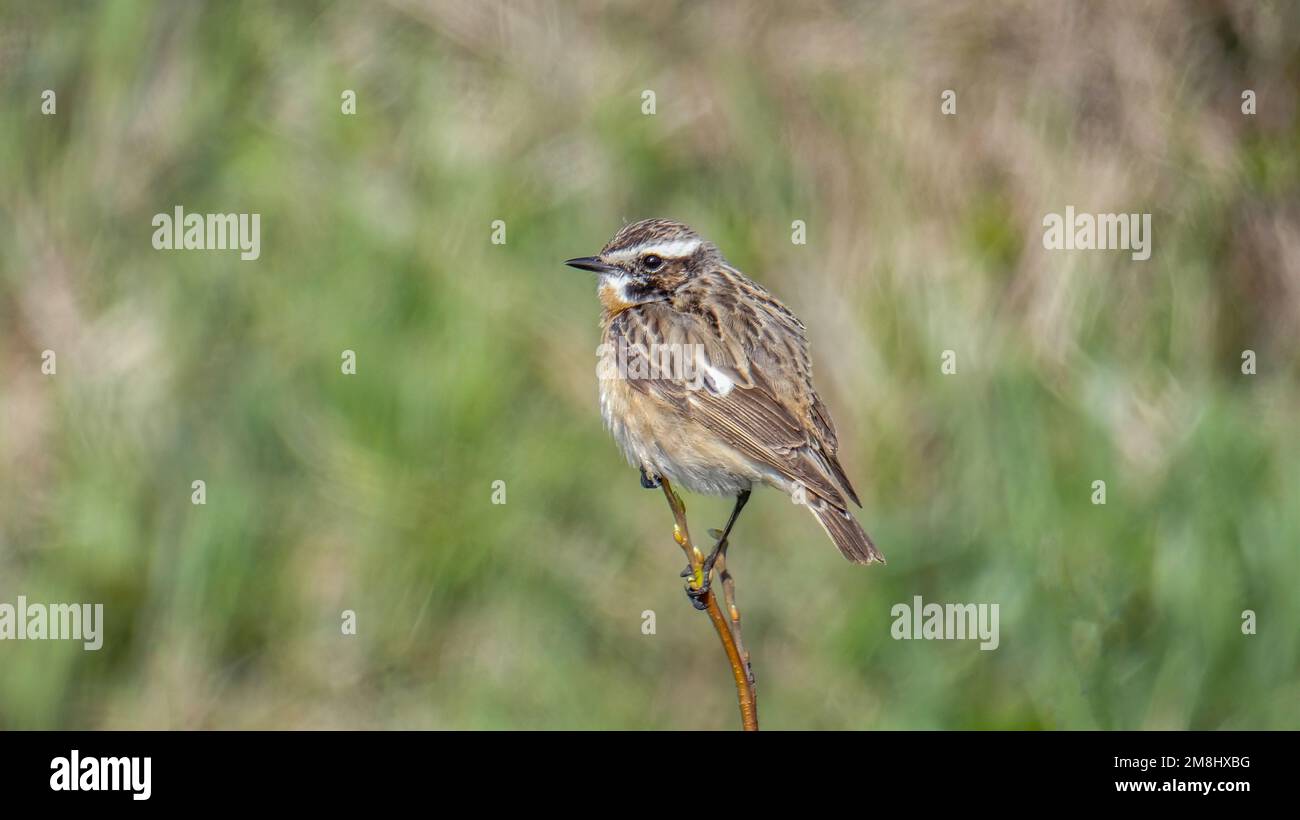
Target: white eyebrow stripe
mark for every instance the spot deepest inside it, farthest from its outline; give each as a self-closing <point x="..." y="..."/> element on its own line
<point x="673" y="249"/>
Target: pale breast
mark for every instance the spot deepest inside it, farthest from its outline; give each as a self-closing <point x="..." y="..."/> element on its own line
<point x="657" y="437"/>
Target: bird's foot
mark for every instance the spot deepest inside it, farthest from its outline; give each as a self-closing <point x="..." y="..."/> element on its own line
<point x="697" y="596"/>
<point x="649" y="482"/>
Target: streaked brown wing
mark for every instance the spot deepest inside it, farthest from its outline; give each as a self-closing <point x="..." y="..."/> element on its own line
<point x="770" y="413"/>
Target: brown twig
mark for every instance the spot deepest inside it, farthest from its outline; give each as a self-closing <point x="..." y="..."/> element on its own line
<point x="740" y="668"/>
<point x="729" y="599"/>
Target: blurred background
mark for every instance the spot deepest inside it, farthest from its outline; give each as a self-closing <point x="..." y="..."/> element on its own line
<point x="476" y="362"/>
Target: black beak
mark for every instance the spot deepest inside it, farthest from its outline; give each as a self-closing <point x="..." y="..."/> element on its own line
<point x="590" y="263"/>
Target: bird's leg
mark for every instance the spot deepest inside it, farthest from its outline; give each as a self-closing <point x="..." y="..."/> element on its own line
<point x="681" y="534"/>
<point x="719" y="548"/>
<point x="648" y="482"/>
<point x="720" y="545"/>
<point x="740" y="669"/>
<point x="729" y="597"/>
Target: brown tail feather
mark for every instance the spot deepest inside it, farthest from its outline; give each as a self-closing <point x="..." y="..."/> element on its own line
<point x="847" y="533"/>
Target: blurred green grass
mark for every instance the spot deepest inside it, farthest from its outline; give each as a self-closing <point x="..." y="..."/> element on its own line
<point x="476" y="361"/>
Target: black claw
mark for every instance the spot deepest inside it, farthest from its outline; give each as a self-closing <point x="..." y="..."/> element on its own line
<point x="697" y="596"/>
<point x="648" y="482"/>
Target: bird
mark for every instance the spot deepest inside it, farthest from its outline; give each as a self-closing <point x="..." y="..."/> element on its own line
<point x="706" y="380"/>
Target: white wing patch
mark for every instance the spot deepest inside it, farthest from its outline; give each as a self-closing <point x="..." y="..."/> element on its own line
<point x="718" y="381"/>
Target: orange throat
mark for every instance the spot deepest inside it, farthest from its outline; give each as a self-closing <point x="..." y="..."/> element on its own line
<point x="611" y="299"/>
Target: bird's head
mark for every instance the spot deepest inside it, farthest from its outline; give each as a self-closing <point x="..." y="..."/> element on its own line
<point x="647" y="261"/>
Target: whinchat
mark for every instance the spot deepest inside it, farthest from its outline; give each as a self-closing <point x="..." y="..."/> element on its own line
<point x="713" y="388"/>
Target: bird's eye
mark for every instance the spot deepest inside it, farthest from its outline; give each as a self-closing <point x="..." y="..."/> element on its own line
<point x="651" y="262"/>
